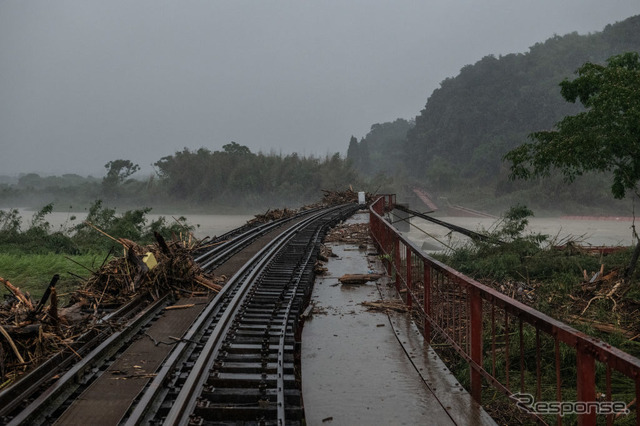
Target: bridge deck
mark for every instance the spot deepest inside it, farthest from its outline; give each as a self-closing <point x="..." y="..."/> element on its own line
<point x="361" y="367"/>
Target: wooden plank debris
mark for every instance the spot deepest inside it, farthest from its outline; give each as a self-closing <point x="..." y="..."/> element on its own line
<point x="358" y="278"/>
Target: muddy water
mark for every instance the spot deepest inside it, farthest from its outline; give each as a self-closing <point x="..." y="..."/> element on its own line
<point x="206" y="224"/>
<point x="613" y="232"/>
<point x="593" y="232"/>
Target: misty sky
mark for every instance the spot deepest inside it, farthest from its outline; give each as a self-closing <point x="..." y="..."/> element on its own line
<point x="85" y="82"/>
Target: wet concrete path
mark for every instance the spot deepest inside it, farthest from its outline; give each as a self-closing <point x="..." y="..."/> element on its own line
<point x="361" y="367"/>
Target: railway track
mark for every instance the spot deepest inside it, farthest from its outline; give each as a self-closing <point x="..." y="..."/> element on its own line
<point x="234" y="364"/>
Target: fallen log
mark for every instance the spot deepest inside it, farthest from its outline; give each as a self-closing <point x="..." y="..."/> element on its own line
<point x="385" y="306"/>
<point x="358" y="278"/>
<point x="601" y="326"/>
<point x="26" y="330"/>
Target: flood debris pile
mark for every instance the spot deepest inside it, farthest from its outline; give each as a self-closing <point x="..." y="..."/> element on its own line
<point x="32" y="331"/>
<point x="271" y="215"/>
<point x="333" y="198"/>
<point x="323" y="257"/>
<point x="353" y="233"/>
<point x="605" y="302"/>
<point x="156" y="268"/>
<point x="330" y="198"/>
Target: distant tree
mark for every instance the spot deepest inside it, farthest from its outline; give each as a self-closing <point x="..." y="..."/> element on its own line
<point x="117" y="172"/>
<point x="352" y="151"/>
<point x="32" y="180"/>
<point x="604" y="138"/>
<point x="382" y="150"/>
<point x="236" y="148"/>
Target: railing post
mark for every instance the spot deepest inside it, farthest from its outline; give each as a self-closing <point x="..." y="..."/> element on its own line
<point x="475" y="309"/>
<point x="409" y="277"/>
<point x="586" y="382"/>
<point x="637" y="396"/>
<point x="396" y="260"/>
<point x="388" y="251"/>
<point x="427" y="299"/>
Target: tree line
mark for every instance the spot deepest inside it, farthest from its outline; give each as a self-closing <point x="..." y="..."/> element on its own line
<point x="233" y="178"/>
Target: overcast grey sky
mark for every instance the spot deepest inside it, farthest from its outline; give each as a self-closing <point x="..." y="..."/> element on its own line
<point x="85" y="82"/>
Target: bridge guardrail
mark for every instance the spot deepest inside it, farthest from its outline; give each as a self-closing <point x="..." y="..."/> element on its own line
<point x="516" y="350"/>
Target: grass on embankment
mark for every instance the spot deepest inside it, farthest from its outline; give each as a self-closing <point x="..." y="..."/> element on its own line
<point x="33" y="272"/>
<point x="30" y="257"/>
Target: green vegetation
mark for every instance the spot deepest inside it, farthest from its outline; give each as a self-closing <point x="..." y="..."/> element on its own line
<point x="554" y="276"/>
<point x="604" y="138"/>
<point x="31" y="256"/>
<point x="237" y="177"/>
<point x="33" y="272"/>
<point x="548" y="275"/>
<point x="456" y="144"/>
<point x="117" y="173"/>
<point x="521" y="257"/>
<point x="232" y="179"/>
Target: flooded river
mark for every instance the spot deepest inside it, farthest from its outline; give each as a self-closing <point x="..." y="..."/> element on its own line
<point x="206" y="224"/>
<point x="611" y="232"/>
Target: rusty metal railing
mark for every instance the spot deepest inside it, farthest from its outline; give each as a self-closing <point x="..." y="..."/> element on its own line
<point x="540" y="366"/>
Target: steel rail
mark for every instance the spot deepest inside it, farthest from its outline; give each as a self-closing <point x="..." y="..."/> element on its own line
<point x="99" y="344"/>
<point x="203" y="321"/>
<point x="28" y="385"/>
<point x="244" y="279"/>
<point x="281" y="343"/>
<point x="53" y="397"/>
<point x="152" y="398"/>
<point x="227" y="247"/>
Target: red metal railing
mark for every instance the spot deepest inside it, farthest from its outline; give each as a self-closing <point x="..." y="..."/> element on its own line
<point x="519" y="352"/>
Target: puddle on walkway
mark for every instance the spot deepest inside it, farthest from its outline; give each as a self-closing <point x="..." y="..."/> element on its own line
<point x="353" y="369"/>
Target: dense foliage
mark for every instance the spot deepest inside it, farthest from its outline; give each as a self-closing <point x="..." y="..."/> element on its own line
<point x="91" y="236"/>
<point x="236" y="176"/>
<point x="605" y="137"/>
<point x="473" y="119"/>
<point x="526" y="260"/>
<point x="233" y="178"/>
<point x="379" y="152"/>
<point x="33" y="252"/>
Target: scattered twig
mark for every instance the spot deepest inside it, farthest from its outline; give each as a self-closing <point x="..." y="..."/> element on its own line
<point x="12" y="344"/>
<point x="190" y="305"/>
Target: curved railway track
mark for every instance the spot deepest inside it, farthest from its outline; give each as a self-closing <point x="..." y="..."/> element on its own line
<point x="234" y="364"/>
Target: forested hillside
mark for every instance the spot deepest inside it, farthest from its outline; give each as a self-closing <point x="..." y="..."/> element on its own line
<point x="489" y="108"/>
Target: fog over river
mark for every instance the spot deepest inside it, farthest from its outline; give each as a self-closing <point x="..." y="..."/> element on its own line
<point x="206" y="225"/>
<point x="594" y="232"/>
<point x="611" y="232"/>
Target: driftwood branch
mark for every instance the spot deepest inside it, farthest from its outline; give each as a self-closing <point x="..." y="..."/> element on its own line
<point x="17" y="293"/>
